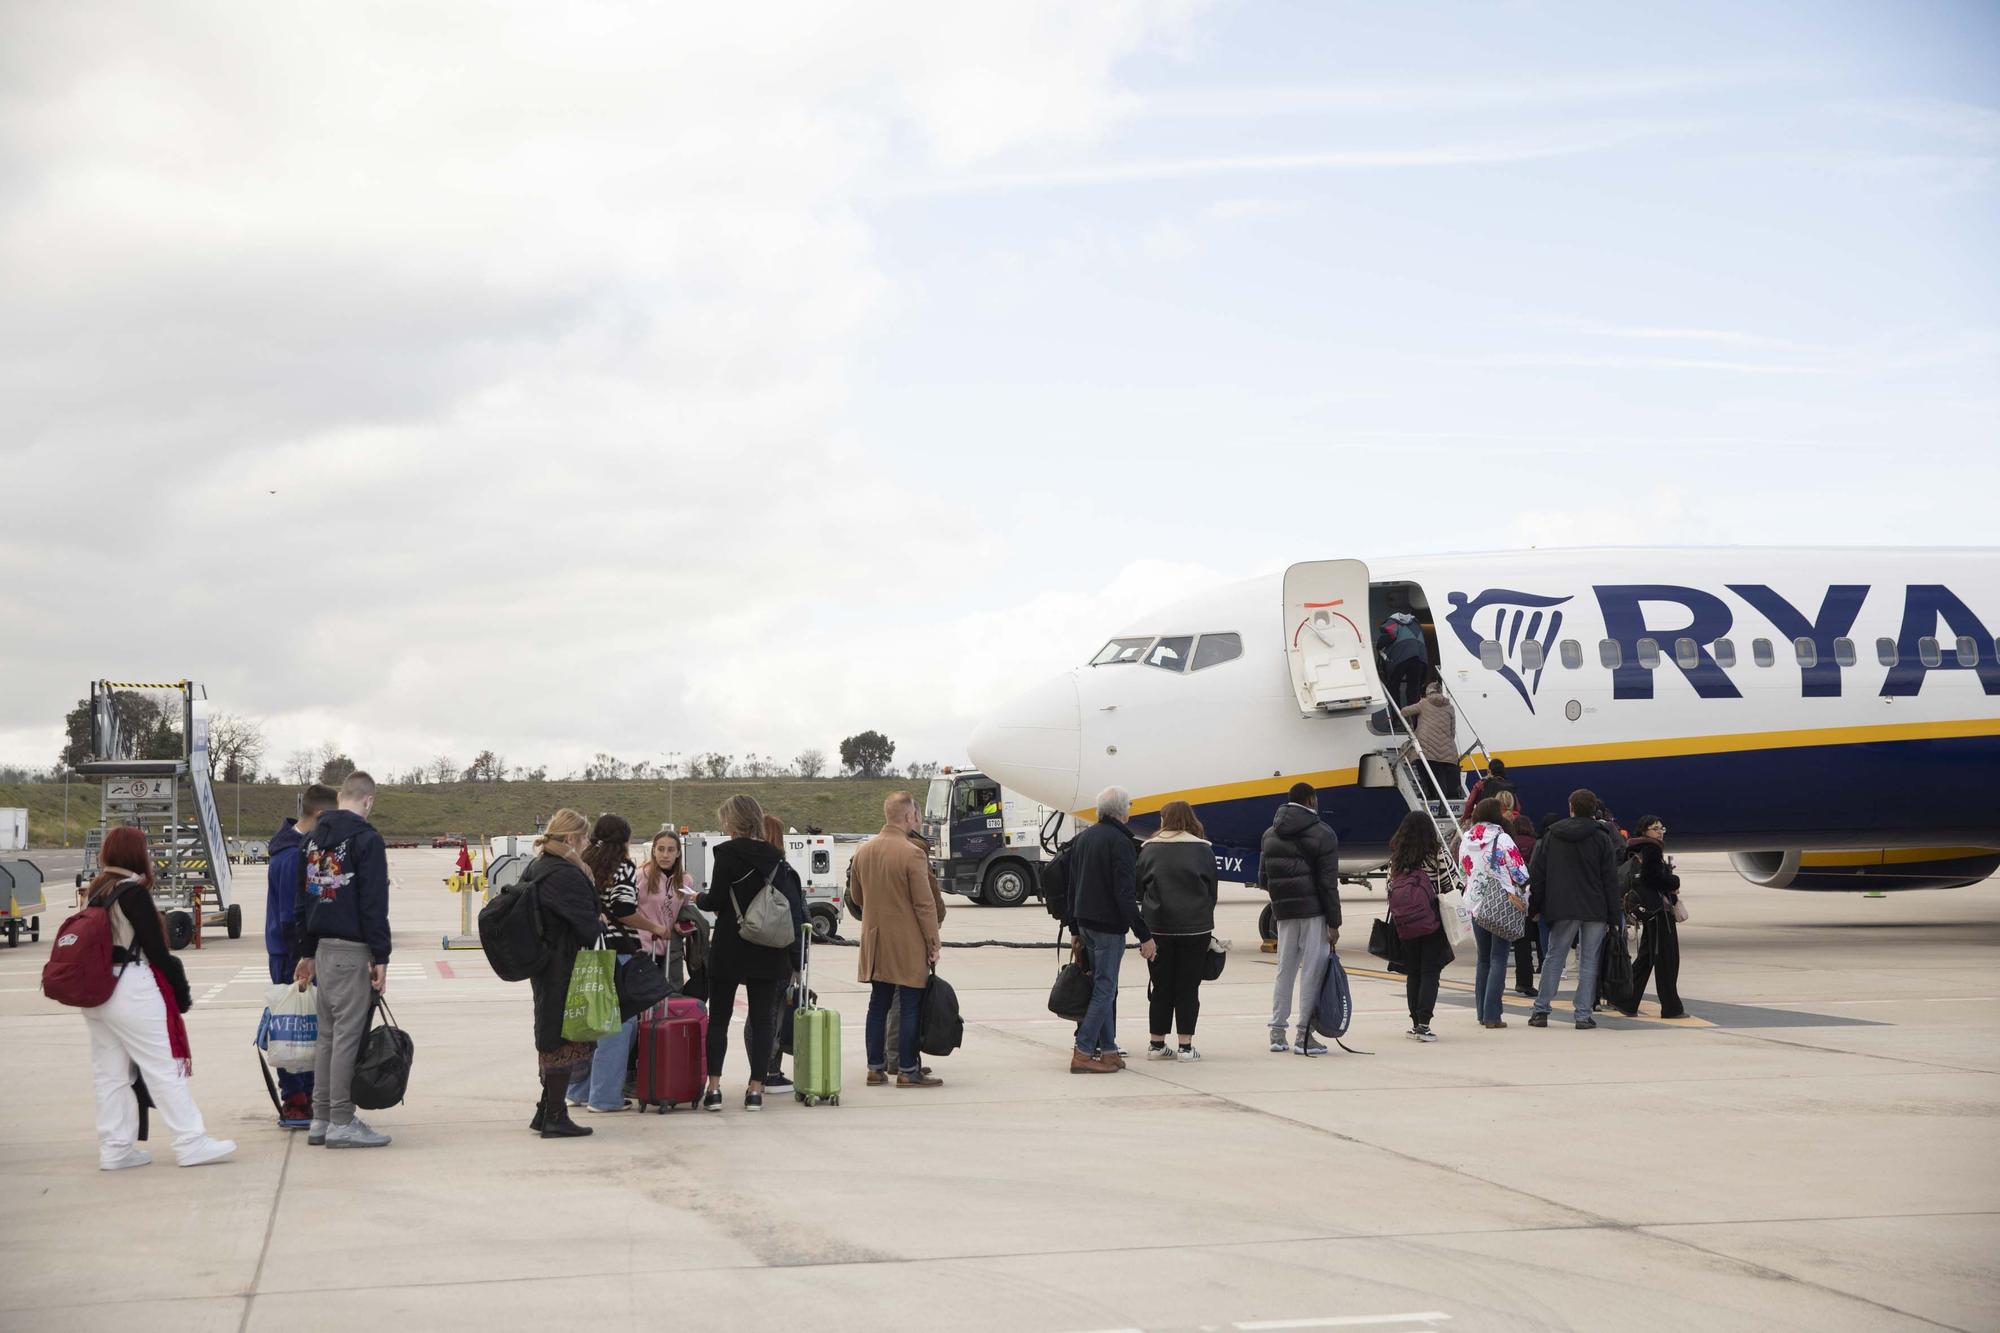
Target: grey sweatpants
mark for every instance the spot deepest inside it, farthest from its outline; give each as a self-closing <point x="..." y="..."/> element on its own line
<point x="1301" y="961"/>
<point x="340" y="971"/>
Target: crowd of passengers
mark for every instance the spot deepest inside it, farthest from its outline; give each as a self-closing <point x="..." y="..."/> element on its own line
<point x="1575" y="880"/>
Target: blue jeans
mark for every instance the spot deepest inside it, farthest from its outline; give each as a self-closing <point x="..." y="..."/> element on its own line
<point x="1489" y="977"/>
<point x="875" y="1034"/>
<point x="1562" y="935"/>
<point x="1099" y="1029"/>
<point x="283" y="967"/>
<point x="604" y="1087"/>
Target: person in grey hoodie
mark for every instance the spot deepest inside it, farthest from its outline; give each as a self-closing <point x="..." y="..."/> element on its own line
<point x="1299" y="866"/>
<point x="1177" y="891"/>
<point x="1435" y="723"/>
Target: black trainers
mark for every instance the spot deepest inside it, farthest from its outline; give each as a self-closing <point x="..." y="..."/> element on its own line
<point x="1586" y="1022"/>
<point x="712" y="1100"/>
<point x="1538" y="1020"/>
<point x="753" y="1101"/>
<point x="777" y="1082"/>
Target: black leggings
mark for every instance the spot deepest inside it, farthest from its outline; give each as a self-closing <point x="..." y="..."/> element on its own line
<point x="722" y="1007"/>
<point x="1175" y="974"/>
<point x="1425" y="956"/>
<point x="1659" y="961"/>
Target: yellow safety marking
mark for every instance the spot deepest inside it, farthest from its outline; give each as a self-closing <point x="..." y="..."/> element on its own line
<point x="1236" y="791"/>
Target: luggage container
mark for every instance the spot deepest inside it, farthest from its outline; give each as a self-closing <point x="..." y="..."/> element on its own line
<point x="21" y="900"/>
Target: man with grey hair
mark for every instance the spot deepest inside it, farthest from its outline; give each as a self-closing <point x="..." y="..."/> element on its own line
<point x="1104" y="905"/>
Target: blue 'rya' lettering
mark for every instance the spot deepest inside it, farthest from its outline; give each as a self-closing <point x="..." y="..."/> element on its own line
<point x="1838" y="611"/>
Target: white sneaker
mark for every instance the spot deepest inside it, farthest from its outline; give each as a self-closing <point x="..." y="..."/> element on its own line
<point x="316" y="1134"/>
<point x="208" y="1150"/>
<point x="1280" y="1046"/>
<point x="1421" y="1033"/>
<point x="124" y="1160"/>
<point x="1187" y="1053"/>
<point x="1161" y="1053"/>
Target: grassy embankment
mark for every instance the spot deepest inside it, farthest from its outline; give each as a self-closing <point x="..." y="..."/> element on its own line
<point x="482" y="809"/>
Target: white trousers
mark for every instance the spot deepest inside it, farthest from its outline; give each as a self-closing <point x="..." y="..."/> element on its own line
<point x="130" y="1029"/>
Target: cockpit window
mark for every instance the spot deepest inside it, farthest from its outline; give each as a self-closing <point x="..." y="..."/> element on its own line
<point x="1216" y="648"/>
<point x="1171" y="654"/>
<point x="1121" y="650"/>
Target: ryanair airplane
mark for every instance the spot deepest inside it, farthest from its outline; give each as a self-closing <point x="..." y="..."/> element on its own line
<point x="1830" y="718"/>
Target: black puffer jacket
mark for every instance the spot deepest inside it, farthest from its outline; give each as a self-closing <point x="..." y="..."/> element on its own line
<point x="1574" y="873"/>
<point x="1658" y="884"/>
<point x="737" y="874"/>
<point x="569" y="924"/>
<point x="1300" y="866"/>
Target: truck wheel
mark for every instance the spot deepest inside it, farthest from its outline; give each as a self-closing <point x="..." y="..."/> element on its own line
<point x="823" y="923"/>
<point x="1267" y="924"/>
<point x="235" y="921"/>
<point x="35" y="930"/>
<point x="180" y="930"/>
<point x="13" y="934"/>
<point x="1008" y="884"/>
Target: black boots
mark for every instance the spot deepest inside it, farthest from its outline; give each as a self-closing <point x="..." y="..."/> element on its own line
<point x="553" y="1119"/>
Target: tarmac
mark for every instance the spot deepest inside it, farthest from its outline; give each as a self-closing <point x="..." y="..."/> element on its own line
<point x="1814" y="1149"/>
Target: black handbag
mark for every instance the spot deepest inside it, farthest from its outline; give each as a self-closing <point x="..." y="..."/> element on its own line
<point x="382" y="1069"/>
<point x="940" y="1027"/>
<point x="1070" y="996"/>
<point x="1616" y="984"/>
<point x="1212" y="961"/>
<point x="1386" y="944"/>
<point x="642" y="983"/>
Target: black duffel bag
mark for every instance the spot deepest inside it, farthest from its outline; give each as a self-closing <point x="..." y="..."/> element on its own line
<point x="940" y="1029"/>
<point x="1070" y="996"/>
<point x="1213" y="959"/>
<point x="642" y="983"/>
<point x="1386" y="944"/>
<point x="382" y="1069"/>
<point x="1615" y="972"/>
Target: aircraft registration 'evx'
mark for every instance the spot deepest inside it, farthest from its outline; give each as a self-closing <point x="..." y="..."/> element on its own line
<point x="1831" y="717"/>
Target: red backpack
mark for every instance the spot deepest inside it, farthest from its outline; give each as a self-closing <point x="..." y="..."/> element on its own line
<point x="78" y="972"/>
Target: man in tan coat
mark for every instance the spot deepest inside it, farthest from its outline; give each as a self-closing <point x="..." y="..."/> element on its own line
<point x="899" y="938"/>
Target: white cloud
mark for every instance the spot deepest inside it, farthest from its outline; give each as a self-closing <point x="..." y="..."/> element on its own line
<point x="439" y="378"/>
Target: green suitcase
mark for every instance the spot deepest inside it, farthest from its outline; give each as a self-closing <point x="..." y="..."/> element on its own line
<point x="815" y="1041"/>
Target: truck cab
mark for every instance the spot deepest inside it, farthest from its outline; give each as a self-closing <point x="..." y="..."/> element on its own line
<point x="985" y="840"/>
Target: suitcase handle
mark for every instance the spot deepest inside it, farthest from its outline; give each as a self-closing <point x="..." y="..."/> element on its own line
<point x="805" y="967"/>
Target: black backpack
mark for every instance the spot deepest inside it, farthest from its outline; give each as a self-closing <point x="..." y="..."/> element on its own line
<point x="1053" y="875"/>
<point x="382" y="1069"/>
<point x="940" y="1029"/>
<point x="510" y="931"/>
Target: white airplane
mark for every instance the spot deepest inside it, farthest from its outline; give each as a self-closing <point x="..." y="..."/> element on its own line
<point x="1829" y="717"/>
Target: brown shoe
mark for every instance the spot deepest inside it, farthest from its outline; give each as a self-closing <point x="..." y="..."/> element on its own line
<point x="1497" y="1023"/>
<point x="920" y="1079"/>
<point x="877" y="1077"/>
<point x="1079" y="1063"/>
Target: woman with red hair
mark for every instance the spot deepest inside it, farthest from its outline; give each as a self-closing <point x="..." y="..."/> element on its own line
<point x="140" y="1025"/>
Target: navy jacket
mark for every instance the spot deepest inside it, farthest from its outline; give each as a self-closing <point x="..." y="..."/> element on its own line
<point x="1299" y="866"/>
<point x="1104" y="880"/>
<point x="281" y="898"/>
<point x="346" y="891"/>
<point x="1573" y="875"/>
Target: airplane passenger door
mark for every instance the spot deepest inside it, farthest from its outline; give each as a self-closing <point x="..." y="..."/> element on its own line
<point x="1326" y="637"/>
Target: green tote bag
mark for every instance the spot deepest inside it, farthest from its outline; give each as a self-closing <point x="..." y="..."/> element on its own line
<point x="591" y="1009"/>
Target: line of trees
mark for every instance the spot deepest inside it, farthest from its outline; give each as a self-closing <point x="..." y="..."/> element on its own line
<point x="237" y="748"/>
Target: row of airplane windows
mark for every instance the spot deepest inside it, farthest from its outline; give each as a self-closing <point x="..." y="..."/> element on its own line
<point x="1687" y="653"/>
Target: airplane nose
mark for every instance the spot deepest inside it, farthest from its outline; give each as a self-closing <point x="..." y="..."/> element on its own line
<point x="1034" y="743"/>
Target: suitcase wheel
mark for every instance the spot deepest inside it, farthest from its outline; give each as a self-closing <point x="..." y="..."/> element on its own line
<point x="834" y="1100"/>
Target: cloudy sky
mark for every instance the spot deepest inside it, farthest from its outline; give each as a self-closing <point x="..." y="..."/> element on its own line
<point x="563" y="378"/>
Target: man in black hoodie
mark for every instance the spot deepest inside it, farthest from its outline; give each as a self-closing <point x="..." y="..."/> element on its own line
<point x="1574" y="888"/>
<point x="1299" y="866"/>
<point x="343" y="925"/>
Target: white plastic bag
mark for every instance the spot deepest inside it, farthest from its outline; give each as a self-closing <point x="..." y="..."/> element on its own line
<point x="288" y="1033"/>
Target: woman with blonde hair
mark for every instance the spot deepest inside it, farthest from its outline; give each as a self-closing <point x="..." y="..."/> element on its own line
<point x="1177" y="891"/>
<point x="738" y="871"/>
<point x="569" y="925"/>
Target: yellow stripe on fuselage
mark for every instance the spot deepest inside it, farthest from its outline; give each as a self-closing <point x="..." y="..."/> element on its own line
<point x="1663" y="748"/>
<point x="1901" y="856"/>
